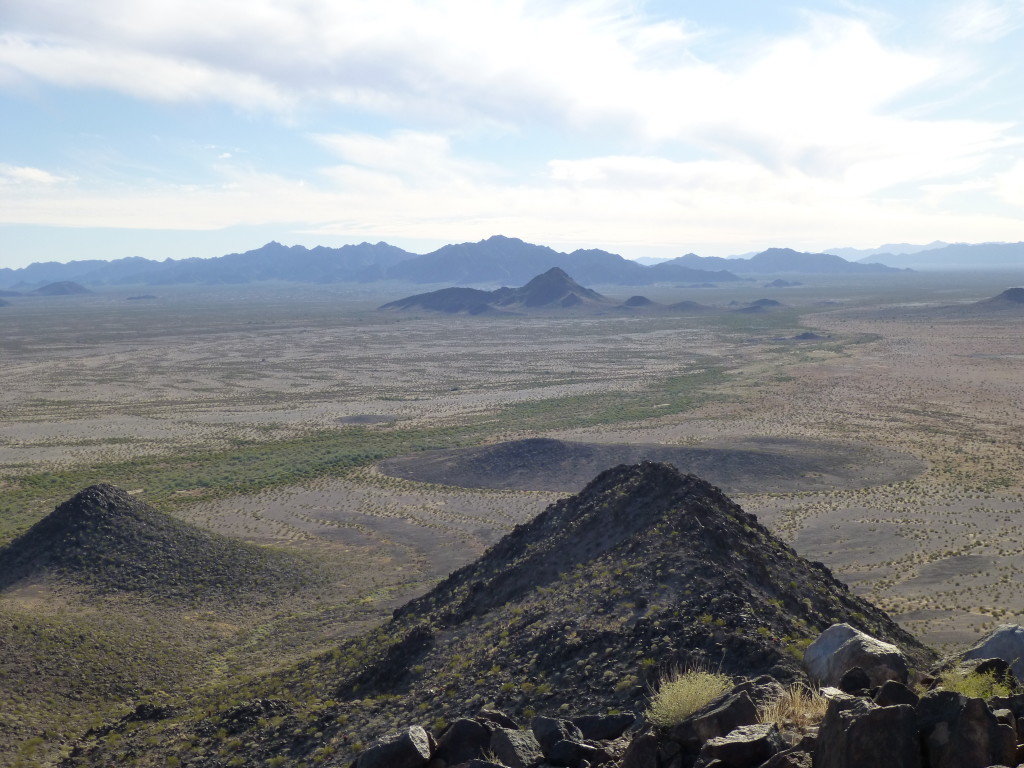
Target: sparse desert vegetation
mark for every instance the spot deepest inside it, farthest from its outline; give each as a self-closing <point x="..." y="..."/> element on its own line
<point x="263" y="414"/>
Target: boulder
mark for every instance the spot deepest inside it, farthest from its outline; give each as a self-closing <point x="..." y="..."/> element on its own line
<point x="516" y="749"/>
<point x="604" y="727"/>
<point x="642" y="752"/>
<point x="718" y="718"/>
<point x="958" y="732"/>
<point x="854" y="680"/>
<point x="549" y="731"/>
<point x="892" y="693"/>
<point x="840" y="648"/>
<point x="1004" y="642"/>
<point x="748" y="745"/>
<point x="407" y="749"/>
<point x="857" y="733"/>
<point x="498" y="718"/>
<point x="464" y="740"/>
<point x="573" y="754"/>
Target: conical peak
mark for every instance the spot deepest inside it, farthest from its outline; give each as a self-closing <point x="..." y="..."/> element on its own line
<point x="102" y="500"/>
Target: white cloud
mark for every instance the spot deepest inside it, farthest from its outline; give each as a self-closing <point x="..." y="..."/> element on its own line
<point x="796" y="137"/>
<point x="985" y="20"/>
<point x="12" y="174"/>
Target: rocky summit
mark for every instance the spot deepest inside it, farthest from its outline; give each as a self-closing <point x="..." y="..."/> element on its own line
<point x="578" y="612"/>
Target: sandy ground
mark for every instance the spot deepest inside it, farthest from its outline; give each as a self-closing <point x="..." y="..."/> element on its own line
<point x="942" y="549"/>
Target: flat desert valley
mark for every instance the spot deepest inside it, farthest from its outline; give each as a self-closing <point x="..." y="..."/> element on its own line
<point x="877" y="425"/>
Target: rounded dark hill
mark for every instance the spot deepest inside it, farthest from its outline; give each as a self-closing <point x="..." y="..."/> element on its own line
<point x="469" y="301"/>
<point x="743" y="466"/>
<point x="4" y="303"/>
<point x="638" y="301"/>
<point x="63" y="288"/>
<point x="1011" y="298"/>
<point x="105" y="539"/>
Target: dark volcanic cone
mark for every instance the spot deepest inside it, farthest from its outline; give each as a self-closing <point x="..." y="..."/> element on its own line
<point x="554" y="288"/>
<point x="108" y="540"/>
<point x="577" y="611"/>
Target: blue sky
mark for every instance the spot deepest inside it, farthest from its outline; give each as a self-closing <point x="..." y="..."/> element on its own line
<point x="175" y="128"/>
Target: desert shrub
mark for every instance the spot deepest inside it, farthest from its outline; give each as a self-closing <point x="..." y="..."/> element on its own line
<point x="797" y="707"/>
<point x="684" y="693"/>
<point x="975" y="685"/>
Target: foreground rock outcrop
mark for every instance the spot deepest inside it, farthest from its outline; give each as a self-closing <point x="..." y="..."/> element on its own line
<point x="942" y="729"/>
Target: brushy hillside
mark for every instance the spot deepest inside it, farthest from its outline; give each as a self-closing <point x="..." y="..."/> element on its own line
<point x="578" y="611"/>
<point x="107" y="540"/>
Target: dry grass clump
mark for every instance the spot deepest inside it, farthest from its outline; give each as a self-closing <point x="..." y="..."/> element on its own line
<point x="683" y="693"/>
<point x="798" y="707"/>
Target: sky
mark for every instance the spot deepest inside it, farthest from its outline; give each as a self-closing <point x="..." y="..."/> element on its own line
<point x="178" y="128"/>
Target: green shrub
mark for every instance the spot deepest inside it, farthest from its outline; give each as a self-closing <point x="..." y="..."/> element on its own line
<point x="683" y="694"/>
<point x="975" y="685"/>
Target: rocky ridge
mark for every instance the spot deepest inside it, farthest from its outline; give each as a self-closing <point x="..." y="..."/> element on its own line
<point x="580" y="611"/>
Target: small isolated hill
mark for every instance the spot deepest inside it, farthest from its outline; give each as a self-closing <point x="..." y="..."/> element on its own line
<point x="63" y="288"/>
<point x="105" y="539"/>
<point x="580" y="610"/>
<point x="638" y="301"/>
<point x="756" y="465"/>
<point x="453" y="301"/>
<point x="1012" y="300"/>
<point x="552" y="290"/>
<point x="4" y="303"/>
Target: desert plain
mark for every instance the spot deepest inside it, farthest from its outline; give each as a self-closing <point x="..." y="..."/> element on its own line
<point x="876" y="424"/>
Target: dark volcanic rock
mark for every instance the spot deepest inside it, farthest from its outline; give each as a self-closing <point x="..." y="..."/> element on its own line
<point x="105" y="538"/>
<point x="958" y="732"/>
<point x="581" y="610"/>
<point x="855" y="733"/>
<point x="409" y="749"/>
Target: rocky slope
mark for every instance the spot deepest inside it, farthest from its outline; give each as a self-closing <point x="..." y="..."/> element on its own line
<point x="106" y="540"/>
<point x="580" y="611"/>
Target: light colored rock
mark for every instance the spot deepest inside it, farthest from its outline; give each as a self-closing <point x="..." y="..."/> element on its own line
<point x="841" y="647"/>
<point x="1005" y="642"/>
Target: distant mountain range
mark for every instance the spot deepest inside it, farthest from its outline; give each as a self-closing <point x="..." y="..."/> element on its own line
<point x="866" y="254"/>
<point x="777" y="261"/>
<point x="959" y="256"/>
<point x="497" y="260"/>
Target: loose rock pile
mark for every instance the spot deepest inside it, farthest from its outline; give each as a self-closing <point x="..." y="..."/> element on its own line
<point x="873" y="718"/>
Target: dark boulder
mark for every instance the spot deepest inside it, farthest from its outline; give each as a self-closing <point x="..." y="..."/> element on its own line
<point x="410" y="748"/>
<point x="516" y="749"/>
<point x="856" y="733"/>
<point x="464" y="740"/>
<point x="604" y="727"/>
<point x="892" y="693"/>
<point x="958" y="732"/>
<point x="746" y="747"/>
